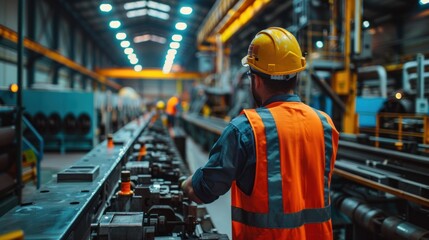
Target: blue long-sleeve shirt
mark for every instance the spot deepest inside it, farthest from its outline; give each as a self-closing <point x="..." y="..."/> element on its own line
<point x="231" y="158"/>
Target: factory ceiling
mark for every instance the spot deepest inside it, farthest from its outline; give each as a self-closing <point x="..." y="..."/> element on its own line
<point x="152" y="27"/>
<point x="149" y="27"/>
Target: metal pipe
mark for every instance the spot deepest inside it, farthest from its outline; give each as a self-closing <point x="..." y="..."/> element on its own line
<point x="20" y="48"/>
<point x="421" y="105"/>
<point x="358" y="27"/>
<point x="356" y="151"/>
<point x="382" y="76"/>
<point x="420" y="78"/>
<point x="406" y="86"/>
<point x="399" y="193"/>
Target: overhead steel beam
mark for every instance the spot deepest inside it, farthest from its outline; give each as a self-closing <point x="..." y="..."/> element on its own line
<point x="227" y="17"/>
<point x="128" y="73"/>
<point x="12" y="36"/>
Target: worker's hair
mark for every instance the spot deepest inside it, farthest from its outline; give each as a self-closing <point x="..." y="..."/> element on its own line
<point x="280" y="85"/>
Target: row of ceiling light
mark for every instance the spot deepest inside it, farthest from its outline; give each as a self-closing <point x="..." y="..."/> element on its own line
<point x="175" y="43"/>
<point x="155" y="9"/>
<point x="121" y="36"/>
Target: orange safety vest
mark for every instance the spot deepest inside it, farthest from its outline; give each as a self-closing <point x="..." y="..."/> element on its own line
<point x="296" y="148"/>
<point x="171" y="108"/>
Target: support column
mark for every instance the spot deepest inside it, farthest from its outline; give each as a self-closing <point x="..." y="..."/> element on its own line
<point x="31" y="33"/>
<point x="72" y="54"/>
<point x="84" y="61"/>
<point x="20" y="70"/>
<point x="55" y="44"/>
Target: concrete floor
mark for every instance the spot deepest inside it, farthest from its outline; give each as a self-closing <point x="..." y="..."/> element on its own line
<point x="220" y="210"/>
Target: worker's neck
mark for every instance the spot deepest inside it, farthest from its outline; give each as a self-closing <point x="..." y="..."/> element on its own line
<point x="269" y="95"/>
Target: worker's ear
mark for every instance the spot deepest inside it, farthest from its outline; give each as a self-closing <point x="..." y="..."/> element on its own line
<point x="258" y="81"/>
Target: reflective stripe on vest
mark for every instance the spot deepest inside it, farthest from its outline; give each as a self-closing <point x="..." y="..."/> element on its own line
<point x="327" y="132"/>
<point x="276" y="217"/>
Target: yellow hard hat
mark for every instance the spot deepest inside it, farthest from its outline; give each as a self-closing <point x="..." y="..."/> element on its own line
<point x="275" y="51"/>
<point x="160" y="105"/>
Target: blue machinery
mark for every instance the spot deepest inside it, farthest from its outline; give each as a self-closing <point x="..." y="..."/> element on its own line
<point x="127" y="187"/>
<point x="66" y="120"/>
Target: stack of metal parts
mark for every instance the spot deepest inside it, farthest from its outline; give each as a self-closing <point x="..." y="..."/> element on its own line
<point x="380" y="194"/>
<point x="125" y="188"/>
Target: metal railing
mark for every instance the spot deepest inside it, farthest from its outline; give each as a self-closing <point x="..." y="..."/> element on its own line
<point x="398" y="125"/>
<point x="39" y="150"/>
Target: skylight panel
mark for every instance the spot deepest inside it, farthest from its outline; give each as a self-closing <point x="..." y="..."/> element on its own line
<point x="134" y="5"/>
<point x="149" y="37"/>
<point x="158" y="6"/>
<point x="158" y="14"/>
<point x="136" y="13"/>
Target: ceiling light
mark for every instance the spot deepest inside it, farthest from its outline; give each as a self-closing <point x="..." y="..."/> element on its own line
<point x="319" y="44"/>
<point x="128" y="50"/>
<point x="398" y="95"/>
<point x="136" y="13"/>
<point x="174" y="45"/>
<point x="121" y="36"/>
<point x="166" y="69"/>
<point x="105" y="7"/>
<point x="134" y="61"/>
<point x="149" y="37"/>
<point x="423" y="2"/>
<point x="181" y="26"/>
<point x="158" y="14"/>
<point x="177" y="37"/>
<point x="125" y="44"/>
<point x="366" y="23"/>
<point x="138" y="68"/>
<point x="170" y="57"/>
<point x="158" y="39"/>
<point x="159" y="6"/>
<point x="132" y="56"/>
<point x="185" y="10"/>
<point x="167" y="66"/>
<point x="171" y="51"/>
<point x="114" y="24"/>
<point x="133" y="5"/>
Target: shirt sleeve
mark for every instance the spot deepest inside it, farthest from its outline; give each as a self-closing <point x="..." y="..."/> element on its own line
<point x="226" y="161"/>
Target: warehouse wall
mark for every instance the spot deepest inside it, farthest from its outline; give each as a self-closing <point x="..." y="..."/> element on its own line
<point x="152" y="89"/>
<point x="85" y="53"/>
<point x="8" y="13"/>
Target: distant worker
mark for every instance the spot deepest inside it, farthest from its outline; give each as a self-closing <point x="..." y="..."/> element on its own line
<point x="278" y="158"/>
<point x="160" y="106"/>
<point x="172" y="109"/>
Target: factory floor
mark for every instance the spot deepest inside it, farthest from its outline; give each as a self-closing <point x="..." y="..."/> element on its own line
<point x="220" y="210"/>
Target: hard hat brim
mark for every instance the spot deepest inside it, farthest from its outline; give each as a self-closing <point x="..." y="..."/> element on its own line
<point x="244" y="61"/>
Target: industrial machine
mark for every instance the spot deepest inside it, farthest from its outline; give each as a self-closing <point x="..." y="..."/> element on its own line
<point x="125" y="188"/>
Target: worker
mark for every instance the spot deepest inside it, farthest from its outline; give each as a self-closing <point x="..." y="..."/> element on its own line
<point x="278" y="158"/>
<point x="160" y="105"/>
<point x="172" y="109"/>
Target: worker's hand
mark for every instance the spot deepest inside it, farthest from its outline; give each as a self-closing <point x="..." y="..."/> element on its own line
<point x="188" y="190"/>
